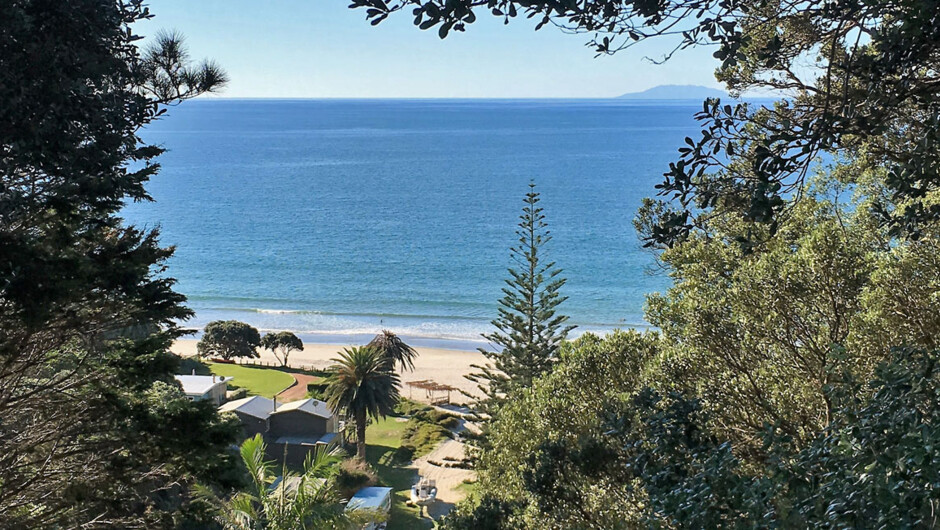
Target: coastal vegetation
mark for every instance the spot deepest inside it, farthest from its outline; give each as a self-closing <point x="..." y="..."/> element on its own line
<point x="362" y="385"/>
<point x="280" y="499"/>
<point x="281" y="344"/>
<point x="95" y="433"/>
<point x="529" y="330"/>
<point x="791" y="382"/>
<point x="228" y="339"/>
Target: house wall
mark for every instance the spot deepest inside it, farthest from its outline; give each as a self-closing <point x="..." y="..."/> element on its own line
<point x="252" y="425"/>
<point x="297" y="423"/>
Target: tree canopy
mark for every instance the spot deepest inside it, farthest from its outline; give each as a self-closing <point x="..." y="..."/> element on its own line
<point x="363" y="384"/>
<point x="87" y="312"/>
<point x="529" y="330"/>
<point x="281" y="344"/>
<point x="229" y="339"/>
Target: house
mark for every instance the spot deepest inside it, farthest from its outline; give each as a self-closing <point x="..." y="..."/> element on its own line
<point x="204" y="387"/>
<point x="290" y="430"/>
<point x="374" y="499"/>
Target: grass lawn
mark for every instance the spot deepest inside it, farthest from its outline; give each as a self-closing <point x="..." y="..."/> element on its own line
<point x="258" y="381"/>
<point x="382" y="438"/>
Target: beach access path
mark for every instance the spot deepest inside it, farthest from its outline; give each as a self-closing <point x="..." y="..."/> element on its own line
<point x="446" y="367"/>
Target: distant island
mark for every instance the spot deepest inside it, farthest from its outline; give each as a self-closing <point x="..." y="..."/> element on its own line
<point x="676" y="92"/>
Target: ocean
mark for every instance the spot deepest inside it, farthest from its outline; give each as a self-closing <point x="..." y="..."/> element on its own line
<point x="337" y="218"/>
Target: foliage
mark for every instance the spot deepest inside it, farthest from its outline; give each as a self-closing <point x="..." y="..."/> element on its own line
<point x="875" y="466"/>
<point x="861" y="79"/>
<point x="353" y="475"/>
<point x="567" y="404"/>
<point x="528" y="330"/>
<point x="287" y="501"/>
<point x="86" y="310"/>
<point x="395" y="350"/>
<point x="228" y="339"/>
<point x="362" y="384"/>
<point x="281" y="344"/>
<point x="759" y="336"/>
<point x="421" y="437"/>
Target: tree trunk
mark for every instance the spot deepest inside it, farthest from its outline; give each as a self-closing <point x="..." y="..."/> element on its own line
<point x="361" y="434"/>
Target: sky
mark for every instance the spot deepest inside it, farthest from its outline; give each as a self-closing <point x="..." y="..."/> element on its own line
<point x="323" y="49"/>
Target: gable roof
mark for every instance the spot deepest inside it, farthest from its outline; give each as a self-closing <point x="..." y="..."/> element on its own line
<point x="263" y="408"/>
<point x="309" y="405"/>
<point x="257" y="406"/>
<point x="199" y="384"/>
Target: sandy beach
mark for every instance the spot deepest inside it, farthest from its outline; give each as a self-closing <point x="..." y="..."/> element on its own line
<point x="446" y="367"/>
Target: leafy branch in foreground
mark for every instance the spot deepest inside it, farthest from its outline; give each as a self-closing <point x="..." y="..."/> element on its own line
<point x="92" y="430"/>
<point x="860" y="78"/>
<point x="285" y="501"/>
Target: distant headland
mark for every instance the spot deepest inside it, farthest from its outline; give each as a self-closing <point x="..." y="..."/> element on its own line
<point x="676" y="92"/>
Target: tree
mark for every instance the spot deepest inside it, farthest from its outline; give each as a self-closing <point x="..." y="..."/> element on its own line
<point x="861" y="81"/>
<point x="86" y="311"/>
<point x="394" y="350"/>
<point x="229" y="339"/>
<point x="288" y="501"/>
<point x="528" y="330"/>
<point x="875" y="466"/>
<point x="362" y="384"/>
<point x="281" y="344"/>
<point x="568" y="404"/>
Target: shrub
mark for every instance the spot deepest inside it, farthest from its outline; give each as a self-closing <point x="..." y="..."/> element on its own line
<point x="236" y="393"/>
<point x="405" y="453"/>
<point x="423" y="436"/>
<point x="353" y="475"/>
<point x="450" y="422"/>
<point x="316" y="390"/>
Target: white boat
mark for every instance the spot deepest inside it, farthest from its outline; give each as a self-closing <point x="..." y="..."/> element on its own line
<point x="424" y="492"/>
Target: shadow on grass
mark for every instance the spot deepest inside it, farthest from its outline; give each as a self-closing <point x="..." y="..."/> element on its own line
<point x="400" y="478"/>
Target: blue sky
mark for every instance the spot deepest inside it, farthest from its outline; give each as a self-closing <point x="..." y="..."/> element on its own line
<point x="320" y="48"/>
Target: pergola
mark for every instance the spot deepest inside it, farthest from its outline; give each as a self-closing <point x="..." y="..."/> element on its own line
<point x="432" y="390"/>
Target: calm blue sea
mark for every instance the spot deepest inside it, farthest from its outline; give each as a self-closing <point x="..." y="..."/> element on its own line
<point x="336" y="218"/>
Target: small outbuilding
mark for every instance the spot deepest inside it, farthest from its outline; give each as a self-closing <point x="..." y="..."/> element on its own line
<point x="204" y="387"/>
<point x="374" y="498"/>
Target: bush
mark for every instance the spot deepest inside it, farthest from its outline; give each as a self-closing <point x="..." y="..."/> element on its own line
<point x="236" y="393"/>
<point x="403" y="454"/>
<point x="406" y="407"/>
<point x="353" y="475"/>
<point x="316" y="390"/>
<point x="423" y="436"/>
<point x="450" y="422"/>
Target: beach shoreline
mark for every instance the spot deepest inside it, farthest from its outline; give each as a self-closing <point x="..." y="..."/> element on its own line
<point x="443" y="366"/>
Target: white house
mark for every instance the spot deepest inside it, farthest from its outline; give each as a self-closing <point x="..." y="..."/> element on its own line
<point x="204" y="387"/>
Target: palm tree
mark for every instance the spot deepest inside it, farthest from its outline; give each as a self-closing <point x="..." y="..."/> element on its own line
<point x="361" y="383"/>
<point x="306" y="500"/>
<point x="395" y="350"/>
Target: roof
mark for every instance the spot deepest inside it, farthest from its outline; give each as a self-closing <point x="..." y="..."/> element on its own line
<point x="370" y="498"/>
<point x="310" y="405"/>
<point x="257" y="406"/>
<point x="200" y="384"/>
<point x="261" y="407"/>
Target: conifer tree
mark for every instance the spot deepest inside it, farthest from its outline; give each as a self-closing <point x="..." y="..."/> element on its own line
<point x="528" y="330"/>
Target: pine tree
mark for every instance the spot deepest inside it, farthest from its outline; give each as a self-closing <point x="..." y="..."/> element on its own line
<point x="529" y="331"/>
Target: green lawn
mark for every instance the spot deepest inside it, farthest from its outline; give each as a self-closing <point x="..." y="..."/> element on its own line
<point x="258" y="381"/>
<point x="382" y="438"/>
